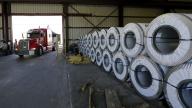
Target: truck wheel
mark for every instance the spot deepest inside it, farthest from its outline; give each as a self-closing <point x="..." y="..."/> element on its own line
<point x="20" y="56"/>
<point x="40" y="51"/>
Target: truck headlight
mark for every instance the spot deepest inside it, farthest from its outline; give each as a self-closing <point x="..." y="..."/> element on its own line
<point x="33" y="49"/>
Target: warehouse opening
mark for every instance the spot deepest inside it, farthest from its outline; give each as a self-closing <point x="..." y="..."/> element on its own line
<point x="35" y="35"/>
<point x="22" y="24"/>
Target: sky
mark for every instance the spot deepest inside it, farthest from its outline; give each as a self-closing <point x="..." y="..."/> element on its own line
<point x="21" y="24"/>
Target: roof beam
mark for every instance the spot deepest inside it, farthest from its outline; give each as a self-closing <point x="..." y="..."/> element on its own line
<point x="134" y="3"/>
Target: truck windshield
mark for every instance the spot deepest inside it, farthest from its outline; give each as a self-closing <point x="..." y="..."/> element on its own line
<point x="33" y="35"/>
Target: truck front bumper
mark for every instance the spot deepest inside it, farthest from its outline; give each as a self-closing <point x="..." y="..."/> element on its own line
<point x="25" y="52"/>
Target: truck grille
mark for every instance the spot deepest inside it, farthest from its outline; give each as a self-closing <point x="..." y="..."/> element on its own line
<point x="23" y="44"/>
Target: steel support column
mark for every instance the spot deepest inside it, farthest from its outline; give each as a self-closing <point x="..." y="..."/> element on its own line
<point x="66" y="29"/>
<point x="120" y="15"/>
<point x="5" y="20"/>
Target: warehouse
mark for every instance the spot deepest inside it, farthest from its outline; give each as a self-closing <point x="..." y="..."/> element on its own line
<point x="95" y="54"/>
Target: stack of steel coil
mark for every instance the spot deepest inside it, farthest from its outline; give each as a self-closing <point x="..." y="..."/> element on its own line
<point x="154" y="57"/>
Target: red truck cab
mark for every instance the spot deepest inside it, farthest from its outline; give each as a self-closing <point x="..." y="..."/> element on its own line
<point x="38" y="41"/>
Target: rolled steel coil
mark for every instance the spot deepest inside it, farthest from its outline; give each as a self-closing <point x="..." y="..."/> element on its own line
<point x="84" y="51"/>
<point x="103" y="38"/>
<point x="90" y="40"/>
<point x="113" y="38"/>
<point x="178" y="86"/>
<point x="99" y="57"/>
<point x="89" y="54"/>
<point x="81" y="49"/>
<point x="107" y="61"/>
<point x="120" y="66"/>
<point x="93" y="55"/>
<point x="146" y="77"/>
<point x="95" y="39"/>
<point x="132" y="39"/>
<point x="85" y="43"/>
<point x="168" y="39"/>
<point x="88" y="51"/>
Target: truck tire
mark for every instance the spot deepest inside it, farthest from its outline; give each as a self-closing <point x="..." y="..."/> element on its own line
<point x="39" y="51"/>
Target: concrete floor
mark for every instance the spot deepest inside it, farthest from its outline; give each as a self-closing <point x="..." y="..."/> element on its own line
<point x="49" y="82"/>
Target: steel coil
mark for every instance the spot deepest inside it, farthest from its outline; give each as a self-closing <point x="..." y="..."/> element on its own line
<point x="103" y="36"/>
<point x="146" y="77"/>
<point x="107" y="61"/>
<point x="120" y="66"/>
<point x="99" y="57"/>
<point x="132" y="39"/>
<point x="90" y="40"/>
<point x="92" y="55"/>
<point x="178" y="89"/>
<point x="113" y="38"/>
<point x="168" y="39"/>
<point x="95" y="39"/>
<point x="85" y="41"/>
<point x="84" y="51"/>
<point x="88" y="51"/>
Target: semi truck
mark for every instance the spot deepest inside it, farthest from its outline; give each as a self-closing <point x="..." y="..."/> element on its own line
<point x="37" y="42"/>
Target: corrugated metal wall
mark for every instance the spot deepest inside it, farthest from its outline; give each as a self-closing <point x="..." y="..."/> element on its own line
<point x="79" y="26"/>
<point x="36" y="8"/>
<point x="140" y="15"/>
<point x="100" y="17"/>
